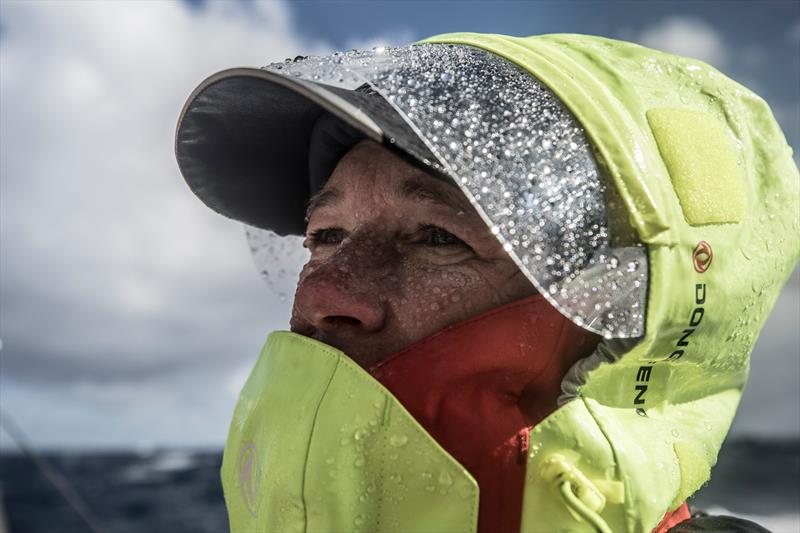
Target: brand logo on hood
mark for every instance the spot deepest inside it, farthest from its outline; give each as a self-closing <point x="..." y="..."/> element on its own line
<point x="694" y="321"/>
<point x="702" y="256"/>
<point x="248" y="476"/>
<point x="643" y="374"/>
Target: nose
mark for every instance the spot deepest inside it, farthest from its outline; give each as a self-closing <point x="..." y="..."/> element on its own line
<point x="329" y="302"/>
<point x="345" y="294"/>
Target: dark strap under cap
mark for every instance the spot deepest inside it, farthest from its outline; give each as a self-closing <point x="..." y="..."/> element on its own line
<point x="330" y="139"/>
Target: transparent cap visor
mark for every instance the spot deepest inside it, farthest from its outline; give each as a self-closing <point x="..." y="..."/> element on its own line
<point x="521" y="159"/>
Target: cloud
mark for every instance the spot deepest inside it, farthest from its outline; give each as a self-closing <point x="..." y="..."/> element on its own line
<point x="124" y="299"/>
<point x="116" y="282"/>
<point x="130" y="312"/>
<point x="687" y="36"/>
<point x="109" y="262"/>
<point x="793" y="34"/>
<point x="394" y="38"/>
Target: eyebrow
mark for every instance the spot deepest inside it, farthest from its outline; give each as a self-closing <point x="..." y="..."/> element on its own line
<point x="325" y="197"/>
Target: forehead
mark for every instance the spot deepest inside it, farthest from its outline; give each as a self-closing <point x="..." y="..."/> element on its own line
<point x="369" y="172"/>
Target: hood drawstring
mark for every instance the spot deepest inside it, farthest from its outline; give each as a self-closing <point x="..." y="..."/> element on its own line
<point x="575" y="505"/>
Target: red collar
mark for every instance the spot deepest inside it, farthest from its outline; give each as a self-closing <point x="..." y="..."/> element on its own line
<point x="479" y="385"/>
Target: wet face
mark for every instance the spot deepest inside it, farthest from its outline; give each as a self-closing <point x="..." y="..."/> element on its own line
<point x="396" y="255"/>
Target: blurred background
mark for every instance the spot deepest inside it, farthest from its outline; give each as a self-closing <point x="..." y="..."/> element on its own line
<point x="130" y="314"/>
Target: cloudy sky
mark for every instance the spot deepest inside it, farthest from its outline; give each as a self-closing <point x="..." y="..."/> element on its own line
<point x="129" y="313"/>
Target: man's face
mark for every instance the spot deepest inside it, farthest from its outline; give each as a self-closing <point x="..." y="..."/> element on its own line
<point x="396" y="255"/>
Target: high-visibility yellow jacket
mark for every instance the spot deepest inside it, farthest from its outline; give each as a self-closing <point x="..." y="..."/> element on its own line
<point x="708" y="184"/>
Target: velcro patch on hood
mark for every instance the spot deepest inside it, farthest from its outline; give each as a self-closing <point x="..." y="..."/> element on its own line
<point x="702" y="165"/>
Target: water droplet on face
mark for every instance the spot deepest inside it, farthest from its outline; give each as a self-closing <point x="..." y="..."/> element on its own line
<point x="359" y="462"/>
<point x="445" y="478"/>
<point x="360" y="434"/>
<point x="535" y="116"/>
<point x="675" y="433"/>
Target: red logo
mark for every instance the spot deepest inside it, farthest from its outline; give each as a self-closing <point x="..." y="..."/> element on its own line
<point x="702" y="256"/>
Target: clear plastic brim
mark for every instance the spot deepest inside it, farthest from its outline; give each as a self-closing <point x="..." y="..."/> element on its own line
<point x="521" y="159"/>
<point x="279" y="259"/>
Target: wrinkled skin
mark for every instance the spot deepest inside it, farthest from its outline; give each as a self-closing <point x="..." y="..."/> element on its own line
<point x="396" y="255"/>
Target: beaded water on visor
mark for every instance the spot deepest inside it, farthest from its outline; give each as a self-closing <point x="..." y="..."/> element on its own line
<point x="521" y="159"/>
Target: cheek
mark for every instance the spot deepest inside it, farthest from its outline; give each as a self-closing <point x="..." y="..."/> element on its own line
<point x="431" y="298"/>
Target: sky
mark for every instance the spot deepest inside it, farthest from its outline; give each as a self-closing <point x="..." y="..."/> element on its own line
<point x="130" y="314"/>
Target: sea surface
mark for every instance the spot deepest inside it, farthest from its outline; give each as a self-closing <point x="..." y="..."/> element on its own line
<point x="178" y="491"/>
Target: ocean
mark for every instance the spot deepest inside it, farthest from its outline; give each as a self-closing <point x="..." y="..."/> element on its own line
<point x="178" y="491"/>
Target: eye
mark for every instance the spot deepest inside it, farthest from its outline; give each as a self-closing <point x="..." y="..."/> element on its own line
<point x="436" y="236"/>
<point x="324" y="237"/>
